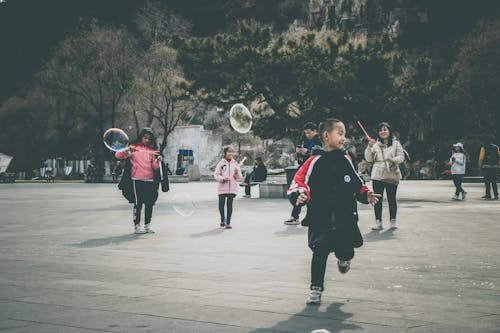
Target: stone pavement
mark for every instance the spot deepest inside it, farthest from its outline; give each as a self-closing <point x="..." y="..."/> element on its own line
<point x="69" y="263"/>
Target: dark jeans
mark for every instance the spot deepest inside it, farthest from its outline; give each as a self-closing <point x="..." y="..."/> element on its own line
<point x="318" y="265"/>
<point x="144" y="194"/>
<point x="490" y="181"/>
<point x="222" y="203"/>
<point x="457" y="180"/>
<point x="296" y="211"/>
<point x="390" y="189"/>
<point x="248" y="179"/>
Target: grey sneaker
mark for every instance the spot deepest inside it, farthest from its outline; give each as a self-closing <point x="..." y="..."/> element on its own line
<point x="455" y="198"/>
<point x="138" y="229"/>
<point x="464" y="195"/>
<point x="344" y="266"/>
<point x="292" y="221"/>
<point x="149" y="229"/>
<point x="393" y="224"/>
<point x="314" y="296"/>
<point x="378" y="225"/>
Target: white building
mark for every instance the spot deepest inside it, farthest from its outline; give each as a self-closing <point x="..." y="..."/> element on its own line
<point x="206" y="147"/>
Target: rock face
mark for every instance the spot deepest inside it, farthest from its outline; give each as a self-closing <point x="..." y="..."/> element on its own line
<point x="365" y="16"/>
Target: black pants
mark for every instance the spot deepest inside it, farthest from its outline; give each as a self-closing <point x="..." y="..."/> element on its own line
<point x="457" y="180"/>
<point x="296" y="211"/>
<point x="318" y="265"/>
<point x="144" y="194"/>
<point x="390" y="189"/>
<point x="248" y="179"/>
<point x="490" y="181"/>
<point x="222" y="203"/>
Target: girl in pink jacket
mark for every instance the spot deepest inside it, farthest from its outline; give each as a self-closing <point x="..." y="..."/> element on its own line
<point x="226" y="173"/>
<point x="144" y="160"/>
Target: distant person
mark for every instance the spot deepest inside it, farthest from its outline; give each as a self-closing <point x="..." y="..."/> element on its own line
<point x="117" y="171"/>
<point x="458" y="161"/>
<point x="331" y="186"/>
<point x="145" y="160"/>
<point x="310" y="141"/>
<point x="488" y="164"/>
<point x="258" y="175"/>
<point x="227" y="172"/>
<point x="386" y="153"/>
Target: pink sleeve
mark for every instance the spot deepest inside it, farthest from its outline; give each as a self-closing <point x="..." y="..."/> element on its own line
<point x="122" y="154"/>
<point x="217" y="173"/>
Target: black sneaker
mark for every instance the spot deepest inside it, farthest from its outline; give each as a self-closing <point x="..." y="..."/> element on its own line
<point x="344" y="266"/>
<point x="486" y="197"/>
<point x="292" y="221"/>
<point x="496" y="197"/>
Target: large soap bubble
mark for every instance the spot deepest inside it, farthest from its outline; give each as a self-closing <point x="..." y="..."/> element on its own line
<point x="115" y="139"/>
<point x="240" y="118"/>
<point x="183" y="204"/>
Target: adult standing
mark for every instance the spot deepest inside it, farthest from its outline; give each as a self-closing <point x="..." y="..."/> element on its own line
<point x="386" y="153"/>
<point x="488" y="164"/>
<point x="310" y="141"/>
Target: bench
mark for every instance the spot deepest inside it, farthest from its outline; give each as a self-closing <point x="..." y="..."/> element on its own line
<point x="272" y="190"/>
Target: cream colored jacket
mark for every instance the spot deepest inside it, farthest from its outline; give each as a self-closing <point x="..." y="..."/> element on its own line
<point x="374" y="155"/>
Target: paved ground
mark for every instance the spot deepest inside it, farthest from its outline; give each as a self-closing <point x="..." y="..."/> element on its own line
<point x="69" y="263"/>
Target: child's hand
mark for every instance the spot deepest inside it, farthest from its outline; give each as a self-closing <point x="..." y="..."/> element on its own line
<point x="373" y="197"/>
<point x="225" y="179"/>
<point x="235" y="173"/>
<point x="301" y="199"/>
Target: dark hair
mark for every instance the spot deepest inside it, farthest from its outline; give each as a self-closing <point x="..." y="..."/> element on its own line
<point x="226" y="149"/>
<point x="259" y="159"/>
<point x="384" y="124"/>
<point x="152" y="138"/>
<point x="327" y="126"/>
<point x="310" y="126"/>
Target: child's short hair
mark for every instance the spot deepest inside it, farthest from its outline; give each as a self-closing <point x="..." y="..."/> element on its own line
<point x="226" y="149"/>
<point x="310" y="126"/>
<point x="327" y="126"/>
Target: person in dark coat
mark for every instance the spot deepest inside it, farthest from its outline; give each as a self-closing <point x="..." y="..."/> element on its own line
<point x="258" y="175"/>
<point x="330" y="185"/>
<point x="310" y="143"/>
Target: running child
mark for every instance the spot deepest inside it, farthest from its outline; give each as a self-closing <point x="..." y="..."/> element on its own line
<point x="331" y="186"/>
<point x="227" y="172"/>
<point x="144" y="161"/>
<point x="457" y="161"/>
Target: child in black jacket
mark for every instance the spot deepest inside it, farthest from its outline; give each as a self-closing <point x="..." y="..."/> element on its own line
<point x="330" y="185"/>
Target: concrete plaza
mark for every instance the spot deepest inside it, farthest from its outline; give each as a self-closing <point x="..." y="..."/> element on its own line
<point x="70" y="263"/>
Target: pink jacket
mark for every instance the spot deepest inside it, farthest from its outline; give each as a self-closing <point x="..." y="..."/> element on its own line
<point x="142" y="160"/>
<point x="227" y="169"/>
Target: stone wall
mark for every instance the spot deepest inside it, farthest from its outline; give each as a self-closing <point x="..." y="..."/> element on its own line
<point x="205" y="144"/>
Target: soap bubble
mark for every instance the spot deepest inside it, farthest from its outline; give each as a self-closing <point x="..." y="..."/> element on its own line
<point x="115" y="139"/>
<point x="240" y="118"/>
<point x="183" y="204"/>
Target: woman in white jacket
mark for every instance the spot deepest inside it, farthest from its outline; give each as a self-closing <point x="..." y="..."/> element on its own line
<point x="385" y="152"/>
<point x="457" y="161"/>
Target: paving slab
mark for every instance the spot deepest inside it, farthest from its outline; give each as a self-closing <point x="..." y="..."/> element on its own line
<point x="70" y="263"/>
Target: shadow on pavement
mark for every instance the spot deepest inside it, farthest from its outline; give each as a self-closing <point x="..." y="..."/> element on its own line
<point x="212" y="232"/>
<point x="310" y="319"/>
<point x="376" y="235"/>
<point x="96" y="242"/>
<point x="290" y="231"/>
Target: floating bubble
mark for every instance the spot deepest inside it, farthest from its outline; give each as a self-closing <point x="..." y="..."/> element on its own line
<point x="183" y="204"/>
<point x="115" y="139"/>
<point x="240" y="118"/>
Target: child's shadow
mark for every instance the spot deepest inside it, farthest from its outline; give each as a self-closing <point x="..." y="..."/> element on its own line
<point x="96" y="242"/>
<point x="376" y="235"/>
<point x="290" y="231"/>
<point x="311" y="318"/>
<point x="212" y="232"/>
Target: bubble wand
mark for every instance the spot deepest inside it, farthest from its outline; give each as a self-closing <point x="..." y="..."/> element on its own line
<point x="364" y="131"/>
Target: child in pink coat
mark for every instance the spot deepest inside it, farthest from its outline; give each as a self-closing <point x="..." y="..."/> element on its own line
<point x="227" y="172"/>
<point x="144" y="160"/>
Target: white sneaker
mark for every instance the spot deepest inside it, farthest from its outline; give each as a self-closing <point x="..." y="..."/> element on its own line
<point x="378" y="225"/>
<point x="393" y="224"/>
<point x="148" y="229"/>
<point x="455" y="198"/>
<point x="464" y="195"/>
<point x="139" y="229"/>
<point x="314" y="296"/>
